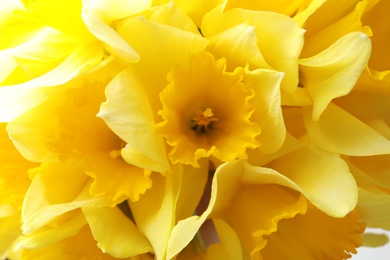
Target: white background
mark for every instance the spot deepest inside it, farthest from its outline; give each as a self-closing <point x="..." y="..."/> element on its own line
<point x="378" y="253"/>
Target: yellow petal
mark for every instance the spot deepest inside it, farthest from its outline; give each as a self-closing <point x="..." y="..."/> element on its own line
<point x="14" y="180"/>
<point x="7" y="66"/>
<point x="334" y="72"/>
<point x="374" y="209"/>
<point x="280" y="50"/>
<point x="340" y="132"/>
<point x="229" y="246"/>
<point x="198" y="121"/>
<point x="66" y="226"/>
<point x="239" y="46"/>
<point x="170" y="15"/>
<point x="286" y="7"/>
<point x="56" y="189"/>
<point x="197" y="9"/>
<point x="128" y="113"/>
<point x="343" y="20"/>
<point x="374" y="240"/>
<point x="116" y="180"/>
<point x="324" y="178"/>
<point x="98" y="15"/>
<point x="80" y="246"/>
<point x="165" y="204"/>
<point x="268" y="110"/>
<point x="374" y="113"/>
<point x="16" y="100"/>
<point x="315" y="236"/>
<point x="306" y="12"/>
<point x="115" y="233"/>
<point x="162" y="48"/>
<point x="155" y="211"/>
<point x="63" y="15"/>
<point x="377" y="19"/>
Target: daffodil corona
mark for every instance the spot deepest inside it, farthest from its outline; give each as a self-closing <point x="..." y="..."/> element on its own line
<point x="207" y="112"/>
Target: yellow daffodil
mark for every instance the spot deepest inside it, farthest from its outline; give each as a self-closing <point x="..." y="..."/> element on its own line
<point x="14" y="182"/>
<point x="262" y="206"/>
<point x="224" y="129"/>
<point x="197" y="122"/>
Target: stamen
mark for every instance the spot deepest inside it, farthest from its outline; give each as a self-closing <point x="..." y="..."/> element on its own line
<point x="203" y="122"/>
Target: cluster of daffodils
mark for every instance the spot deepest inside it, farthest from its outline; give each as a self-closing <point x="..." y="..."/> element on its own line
<point x="179" y="129"/>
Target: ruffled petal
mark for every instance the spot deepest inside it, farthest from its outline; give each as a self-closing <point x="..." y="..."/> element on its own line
<point x="115" y="179"/>
<point x="315" y="236"/>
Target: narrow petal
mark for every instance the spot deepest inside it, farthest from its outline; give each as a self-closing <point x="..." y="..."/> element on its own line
<point x="334" y="72"/>
<point x="340" y="132"/>
<point x="115" y="233"/>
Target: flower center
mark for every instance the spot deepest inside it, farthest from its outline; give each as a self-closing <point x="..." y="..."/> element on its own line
<point x="203" y="121"/>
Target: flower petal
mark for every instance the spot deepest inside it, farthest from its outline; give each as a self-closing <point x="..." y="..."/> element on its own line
<point x="162" y="48"/>
<point x="97" y="15"/>
<point x="334" y="72"/>
<point x="340" y="132"/>
<point x="268" y="110"/>
<point x="323" y="177"/>
<point x="128" y="113"/>
<point x="238" y="45"/>
<point x="56" y="189"/>
<point x="280" y="39"/>
<point x="115" y="233"/>
<point x="116" y="180"/>
<point x="17" y="99"/>
<point x="316" y="236"/>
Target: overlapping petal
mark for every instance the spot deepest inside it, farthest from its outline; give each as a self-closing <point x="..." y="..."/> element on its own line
<point x="335" y="71"/>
